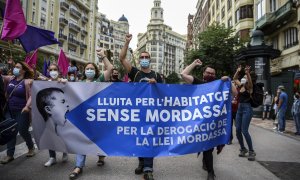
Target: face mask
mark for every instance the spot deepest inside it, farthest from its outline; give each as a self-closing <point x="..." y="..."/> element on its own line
<point x="243" y="81"/>
<point x="53" y="74"/>
<point x="208" y="78"/>
<point x="89" y="73"/>
<point x="145" y="63"/>
<point x="72" y="78"/>
<point x="16" y="72"/>
<point x="115" y="76"/>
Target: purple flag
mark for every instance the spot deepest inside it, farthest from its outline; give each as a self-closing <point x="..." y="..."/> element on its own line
<point x="14" y="20"/>
<point x="63" y="63"/>
<point x="35" y="37"/>
<point x="45" y="67"/>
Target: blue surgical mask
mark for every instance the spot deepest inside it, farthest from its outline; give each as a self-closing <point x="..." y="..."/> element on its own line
<point x="90" y="74"/>
<point x="145" y="63"/>
<point x="16" y="72"/>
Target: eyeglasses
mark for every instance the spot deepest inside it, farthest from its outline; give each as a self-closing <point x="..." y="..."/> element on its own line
<point x="52" y="69"/>
<point x="209" y="73"/>
<point x="144" y="57"/>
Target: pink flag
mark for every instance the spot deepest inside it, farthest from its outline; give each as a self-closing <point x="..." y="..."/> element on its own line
<point x="14" y="24"/>
<point x="31" y="61"/>
<point x="63" y="63"/>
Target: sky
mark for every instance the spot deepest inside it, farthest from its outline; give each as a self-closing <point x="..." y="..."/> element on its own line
<point x="138" y="13"/>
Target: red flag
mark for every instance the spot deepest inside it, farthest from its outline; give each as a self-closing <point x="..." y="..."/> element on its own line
<point x="14" y="24"/>
<point x="31" y="61"/>
<point x="63" y="63"/>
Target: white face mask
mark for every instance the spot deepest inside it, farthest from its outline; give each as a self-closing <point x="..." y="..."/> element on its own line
<point x="243" y="81"/>
<point x="53" y="74"/>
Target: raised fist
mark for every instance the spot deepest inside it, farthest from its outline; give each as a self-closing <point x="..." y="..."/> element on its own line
<point x="198" y="62"/>
<point x="128" y="37"/>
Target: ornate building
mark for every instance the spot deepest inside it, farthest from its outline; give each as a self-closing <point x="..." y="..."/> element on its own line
<point x="165" y="46"/>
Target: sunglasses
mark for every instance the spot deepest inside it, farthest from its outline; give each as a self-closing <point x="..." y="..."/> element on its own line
<point x="144" y="57"/>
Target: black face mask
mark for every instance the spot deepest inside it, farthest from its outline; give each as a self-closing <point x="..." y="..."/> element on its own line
<point x="208" y="78"/>
<point x="115" y="76"/>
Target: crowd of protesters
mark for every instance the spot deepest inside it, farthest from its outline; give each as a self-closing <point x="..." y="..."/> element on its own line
<point x="17" y="77"/>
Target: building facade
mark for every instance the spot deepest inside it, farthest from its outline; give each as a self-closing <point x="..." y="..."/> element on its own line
<point x="237" y="14"/>
<point x="73" y="22"/>
<point x="165" y="46"/>
<point x="110" y="35"/>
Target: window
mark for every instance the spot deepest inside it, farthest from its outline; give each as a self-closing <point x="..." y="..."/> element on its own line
<point x="223" y="12"/>
<point x="244" y="12"/>
<point x="229" y="23"/>
<point x="229" y="4"/>
<point x="33" y="16"/>
<point x="261" y="8"/>
<point x="273" y="5"/>
<point x="290" y="37"/>
<point x="275" y="42"/>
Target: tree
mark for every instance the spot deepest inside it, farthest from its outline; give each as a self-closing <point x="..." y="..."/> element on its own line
<point x="172" y="78"/>
<point x="217" y="47"/>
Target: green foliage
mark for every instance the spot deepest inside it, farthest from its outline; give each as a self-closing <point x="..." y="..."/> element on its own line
<point x="217" y="47"/>
<point x="173" y="78"/>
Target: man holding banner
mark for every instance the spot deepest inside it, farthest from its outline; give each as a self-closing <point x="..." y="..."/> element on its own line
<point x="145" y="74"/>
<point x="209" y="75"/>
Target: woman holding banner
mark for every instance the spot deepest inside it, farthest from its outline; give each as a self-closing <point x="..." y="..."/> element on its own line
<point x="54" y="76"/>
<point x="92" y="74"/>
<point x="18" y="92"/>
<point x="245" y="112"/>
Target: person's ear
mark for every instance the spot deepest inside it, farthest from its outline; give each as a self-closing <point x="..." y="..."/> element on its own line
<point x="48" y="109"/>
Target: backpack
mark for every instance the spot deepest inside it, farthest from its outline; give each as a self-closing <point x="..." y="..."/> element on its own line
<point x="257" y="96"/>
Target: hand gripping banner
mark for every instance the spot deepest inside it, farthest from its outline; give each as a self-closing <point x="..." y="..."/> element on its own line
<point x="131" y="119"/>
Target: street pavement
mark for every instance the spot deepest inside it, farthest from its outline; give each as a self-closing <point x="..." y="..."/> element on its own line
<point x="271" y="147"/>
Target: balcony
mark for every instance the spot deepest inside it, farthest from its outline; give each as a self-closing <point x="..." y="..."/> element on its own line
<point x="62" y="37"/>
<point x="63" y="21"/>
<point x="64" y="5"/>
<point x="270" y="22"/>
<point x="84" y="32"/>
<point x="264" y="21"/>
<point x="83" y="46"/>
<point x="74" y="27"/>
<point x="284" y="12"/>
<point x="84" y="19"/>
<point x="73" y="42"/>
<point x="75" y="13"/>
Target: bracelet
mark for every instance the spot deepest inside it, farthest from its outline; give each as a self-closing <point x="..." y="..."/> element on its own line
<point x="102" y="57"/>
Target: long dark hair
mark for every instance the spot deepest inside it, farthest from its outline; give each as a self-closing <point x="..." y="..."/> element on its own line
<point x="29" y="74"/>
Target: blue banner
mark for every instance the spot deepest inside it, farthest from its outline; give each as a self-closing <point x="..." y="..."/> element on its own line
<point x="148" y="120"/>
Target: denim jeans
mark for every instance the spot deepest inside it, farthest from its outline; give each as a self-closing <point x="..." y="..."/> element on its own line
<point x="80" y="160"/>
<point x="147" y="162"/>
<point x="242" y="122"/>
<point x="281" y="119"/>
<point x="23" y="126"/>
<point x="297" y="122"/>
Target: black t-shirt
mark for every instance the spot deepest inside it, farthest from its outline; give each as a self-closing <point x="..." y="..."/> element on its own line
<point x="117" y="80"/>
<point x="137" y="75"/>
<point x="197" y="81"/>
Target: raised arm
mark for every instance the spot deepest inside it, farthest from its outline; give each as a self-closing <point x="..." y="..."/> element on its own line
<point x="126" y="64"/>
<point x="185" y="74"/>
<point x="247" y="72"/>
<point x="236" y="76"/>
<point x="101" y="53"/>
